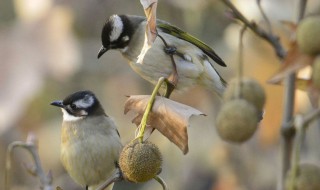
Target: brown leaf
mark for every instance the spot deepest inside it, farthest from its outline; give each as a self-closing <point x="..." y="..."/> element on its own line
<point x="150" y="10"/>
<point x="169" y="117"/>
<point x="294" y="61"/>
<point x="289" y="25"/>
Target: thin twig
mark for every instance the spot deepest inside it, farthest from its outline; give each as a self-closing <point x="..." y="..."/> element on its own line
<point x="270" y="38"/>
<point x="162" y="182"/>
<point x="288" y="131"/>
<point x="116" y="176"/>
<point x="240" y="65"/>
<point x="31" y="146"/>
<point x="264" y="15"/>
<point x="302" y="9"/>
<point x="174" y="77"/>
<point x="311" y="116"/>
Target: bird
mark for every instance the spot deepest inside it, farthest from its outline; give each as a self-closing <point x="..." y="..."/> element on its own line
<point x="90" y="141"/>
<point x="194" y="61"/>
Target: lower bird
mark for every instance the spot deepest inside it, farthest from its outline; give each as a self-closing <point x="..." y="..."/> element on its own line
<point x="90" y="142"/>
<point x="194" y="61"/>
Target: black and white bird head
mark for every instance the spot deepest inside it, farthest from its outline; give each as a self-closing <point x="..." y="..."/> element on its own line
<point x="79" y="105"/>
<point x="116" y="33"/>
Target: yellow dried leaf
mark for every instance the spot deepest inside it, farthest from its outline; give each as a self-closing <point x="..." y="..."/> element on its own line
<point x="167" y="116"/>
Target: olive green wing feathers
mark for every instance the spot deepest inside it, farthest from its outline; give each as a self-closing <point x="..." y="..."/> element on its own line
<point x="174" y="31"/>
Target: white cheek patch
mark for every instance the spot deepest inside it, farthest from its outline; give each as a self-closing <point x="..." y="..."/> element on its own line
<point x="69" y="117"/>
<point x="85" y="102"/>
<point x="117" y="27"/>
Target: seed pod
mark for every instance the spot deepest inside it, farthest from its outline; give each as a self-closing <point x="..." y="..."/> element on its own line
<point x="308" y="177"/>
<point x="140" y="162"/>
<point x="308" y="35"/>
<point x="237" y="121"/>
<point x="250" y="90"/>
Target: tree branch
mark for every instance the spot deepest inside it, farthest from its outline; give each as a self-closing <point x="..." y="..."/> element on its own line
<point x="31" y="146"/>
<point x="288" y="131"/>
<point x="269" y="37"/>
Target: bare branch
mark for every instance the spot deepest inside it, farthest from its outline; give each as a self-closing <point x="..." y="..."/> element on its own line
<point x="288" y="131"/>
<point x="269" y="37"/>
<point x="302" y="9"/>
<point x="162" y="182"/>
<point x="31" y="146"/>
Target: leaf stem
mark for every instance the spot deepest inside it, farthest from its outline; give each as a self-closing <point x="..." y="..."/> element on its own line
<point x="146" y="113"/>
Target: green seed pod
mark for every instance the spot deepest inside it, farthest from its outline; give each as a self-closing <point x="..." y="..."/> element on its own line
<point x="308" y="177"/>
<point x="251" y="91"/>
<point x="308" y="35"/>
<point x="237" y="121"/>
<point x="140" y="162"/>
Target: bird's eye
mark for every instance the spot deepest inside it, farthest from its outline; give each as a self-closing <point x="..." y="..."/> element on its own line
<point x="125" y="38"/>
<point x="73" y="106"/>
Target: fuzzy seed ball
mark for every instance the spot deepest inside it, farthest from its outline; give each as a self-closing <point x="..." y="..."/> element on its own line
<point x="316" y="72"/>
<point x="308" y="35"/>
<point x="237" y="121"/>
<point x="308" y="177"/>
<point x="251" y="91"/>
<point x="140" y="162"/>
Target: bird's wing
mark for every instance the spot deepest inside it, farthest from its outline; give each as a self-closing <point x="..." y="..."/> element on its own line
<point x="174" y="31"/>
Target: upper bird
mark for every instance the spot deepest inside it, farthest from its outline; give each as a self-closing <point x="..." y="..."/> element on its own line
<point x="193" y="58"/>
<point x="90" y="142"/>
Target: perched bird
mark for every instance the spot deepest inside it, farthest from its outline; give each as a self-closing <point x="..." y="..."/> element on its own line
<point x="90" y="142"/>
<point x="194" y="60"/>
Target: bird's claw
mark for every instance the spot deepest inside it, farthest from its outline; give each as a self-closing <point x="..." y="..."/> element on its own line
<point x="170" y="50"/>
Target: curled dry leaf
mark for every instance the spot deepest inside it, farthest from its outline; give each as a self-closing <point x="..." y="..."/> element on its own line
<point x="150" y="10"/>
<point x="294" y="61"/>
<point x="169" y="117"/>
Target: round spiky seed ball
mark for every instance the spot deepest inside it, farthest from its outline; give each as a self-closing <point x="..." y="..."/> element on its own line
<point x="308" y="35"/>
<point x="237" y="121"/>
<point x="140" y="162"/>
<point x="316" y="72"/>
<point x="250" y="90"/>
<point x="307" y="178"/>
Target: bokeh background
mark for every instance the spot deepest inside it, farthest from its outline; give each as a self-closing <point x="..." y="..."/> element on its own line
<point x="48" y="49"/>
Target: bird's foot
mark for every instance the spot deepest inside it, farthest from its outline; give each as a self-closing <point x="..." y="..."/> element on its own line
<point x="170" y="50"/>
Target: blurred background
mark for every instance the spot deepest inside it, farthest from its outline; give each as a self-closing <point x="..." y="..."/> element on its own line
<point x="48" y="49"/>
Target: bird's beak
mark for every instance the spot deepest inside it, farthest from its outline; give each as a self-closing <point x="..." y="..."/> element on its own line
<point x="102" y="51"/>
<point x="57" y="103"/>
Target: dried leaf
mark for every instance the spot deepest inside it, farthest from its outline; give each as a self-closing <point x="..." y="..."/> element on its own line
<point x="294" y="61"/>
<point x="289" y="25"/>
<point x="150" y="10"/>
<point x="169" y="117"/>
